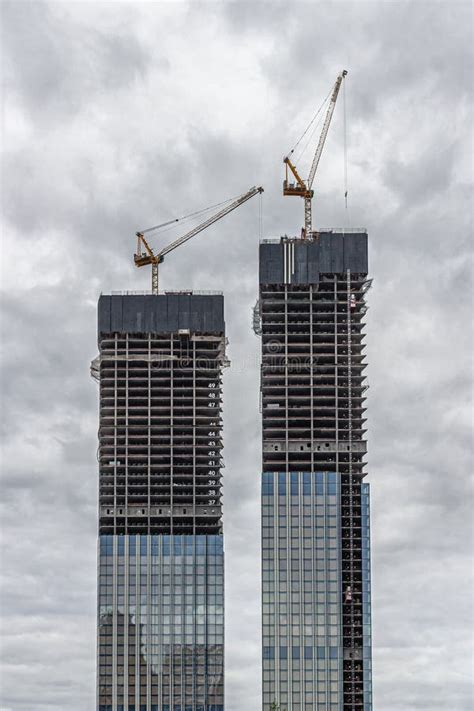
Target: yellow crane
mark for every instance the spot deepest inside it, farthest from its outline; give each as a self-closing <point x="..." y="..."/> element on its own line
<point x="305" y="189"/>
<point x="145" y="254"/>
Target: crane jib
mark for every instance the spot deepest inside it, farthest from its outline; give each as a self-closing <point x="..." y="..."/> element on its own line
<point x="155" y="259"/>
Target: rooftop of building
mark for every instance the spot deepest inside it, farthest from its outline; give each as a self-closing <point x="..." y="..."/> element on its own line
<point x="145" y="292"/>
<point x="322" y="230"/>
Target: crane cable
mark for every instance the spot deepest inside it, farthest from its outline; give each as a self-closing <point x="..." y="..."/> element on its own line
<point x="345" y="140"/>
<point x="309" y="125"/>
<point x="190" y="215"/>
<point x="310" y="138"/>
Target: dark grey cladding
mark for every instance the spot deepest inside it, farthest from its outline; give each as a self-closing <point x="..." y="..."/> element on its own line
<point x="333" y="252"/>
<point x="162" y="313"/>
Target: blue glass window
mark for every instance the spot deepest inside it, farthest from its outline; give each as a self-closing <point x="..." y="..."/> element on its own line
<point x="282" y="483"/>
<point x="294" y="484"/>
<point x="332" y="483"/>
<point x="268" y="653"/>
<point x="267" y="484"/>
<point x="306" y="483"/>
<point x="319" y="483"/>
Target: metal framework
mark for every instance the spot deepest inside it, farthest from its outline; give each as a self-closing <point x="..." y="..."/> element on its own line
<point x="160" y="433"/>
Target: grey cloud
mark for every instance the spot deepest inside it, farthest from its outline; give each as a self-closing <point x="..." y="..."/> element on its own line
<point x="389" y="46"/>
<point x="265" y="18"/>
<point x="420" y="453"/>
<point x="428" y="175"/>
<point x="58" y="71"/>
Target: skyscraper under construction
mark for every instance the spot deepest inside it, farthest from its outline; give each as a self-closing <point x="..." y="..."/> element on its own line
<point x="161" y="560"/>
<point x="315" y="503"/>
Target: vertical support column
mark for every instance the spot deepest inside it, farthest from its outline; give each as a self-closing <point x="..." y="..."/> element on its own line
<point x="286" y="378"/>
<point x="126" y="432"/>
<point x="302" y="585"/>
<point x="115" y="428"/>
<point x="327" y="663"/>
<point x="289" y="574"/>
<point x="148" y="624"/>
<point x="194" y="643"/>
<point x="287" y="507"/>
<point x="98" y="636"/>
<point x="126" y="617"/>
<point x="276" y="579"/>
<point x="336" y="373"/>
<point x="194" y="424"/>
<point x="149" y="435"/>
<point x="172" y="616"/>
<point x="311" y="370"/>
<point x="138" y="627"/>
<point x="114" y="624"/>
<point x="340" y="640"/>
<point x="314" y="606"/>
<point x="366" y="598"/>
<point x="171" y="435"/>
<point x="339" y="485"/>
<point x="182" y="616"/>
<point x="159" y="607"/>
<point x="206" y="623"/>
<point x="350" y="470"/>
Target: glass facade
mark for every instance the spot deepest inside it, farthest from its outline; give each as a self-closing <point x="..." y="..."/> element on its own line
<point x="161" y="623"/>
<point x="301" y="551"/>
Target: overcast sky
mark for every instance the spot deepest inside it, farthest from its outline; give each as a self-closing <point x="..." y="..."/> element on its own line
<point x="119" y="116"/>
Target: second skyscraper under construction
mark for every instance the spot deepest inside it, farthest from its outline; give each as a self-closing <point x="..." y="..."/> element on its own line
<point x="315" y="504"/>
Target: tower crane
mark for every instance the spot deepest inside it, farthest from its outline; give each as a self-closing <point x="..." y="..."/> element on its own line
<point x="300" y="188"/>
<point x="145" y="255"/>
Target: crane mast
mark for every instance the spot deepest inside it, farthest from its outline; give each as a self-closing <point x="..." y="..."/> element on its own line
<point x="148" y="256"/>
<point x="300" y="188"/>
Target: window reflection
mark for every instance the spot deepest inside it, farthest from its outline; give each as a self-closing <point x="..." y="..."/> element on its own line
<point x="161" y="622"/>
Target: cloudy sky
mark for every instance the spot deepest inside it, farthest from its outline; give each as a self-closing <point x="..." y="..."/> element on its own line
<point x="117" y="116"/>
